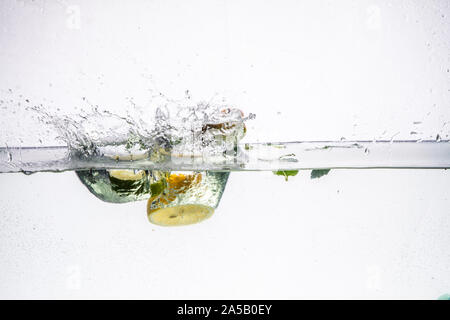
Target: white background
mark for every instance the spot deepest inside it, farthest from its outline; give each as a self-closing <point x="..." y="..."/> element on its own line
<point x="351" y="234"/>
<point x="308" y="70"/>
<point x="311" y="69"/>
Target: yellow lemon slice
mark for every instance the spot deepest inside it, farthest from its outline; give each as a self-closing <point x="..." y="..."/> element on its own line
<point x="127" y="174"/>
<point x="180" y="215"/>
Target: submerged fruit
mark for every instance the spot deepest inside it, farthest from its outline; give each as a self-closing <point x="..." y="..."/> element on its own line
<point x="185" y="198"/>
<point x="179" y="215"/>
<point x="174" y="198"/>
<point x="116" y="186"/>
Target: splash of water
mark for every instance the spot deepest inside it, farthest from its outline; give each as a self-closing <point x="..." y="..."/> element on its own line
<point x="165" y="126"/>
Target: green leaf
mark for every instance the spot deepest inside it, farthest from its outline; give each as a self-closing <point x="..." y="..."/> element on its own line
<point x="319" y="173"/>
<point x="286" y="173"/>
